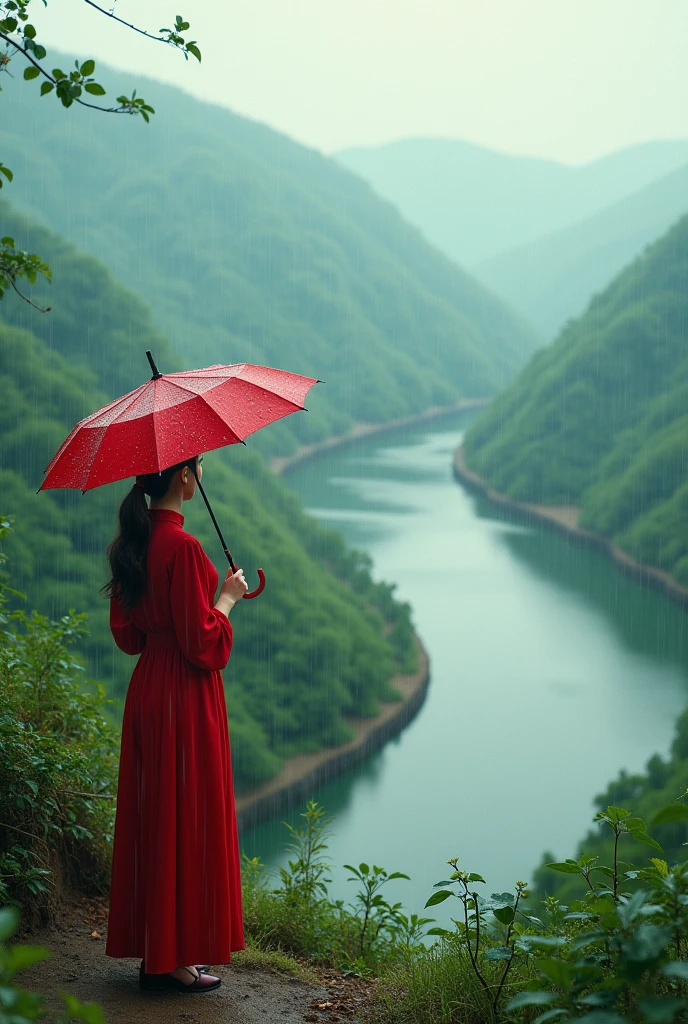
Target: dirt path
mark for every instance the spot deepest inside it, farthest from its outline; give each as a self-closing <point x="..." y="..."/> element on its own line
<point x="248" y="995"/>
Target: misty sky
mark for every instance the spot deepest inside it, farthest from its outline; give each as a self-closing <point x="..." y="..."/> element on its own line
<point x="570" y="81"/>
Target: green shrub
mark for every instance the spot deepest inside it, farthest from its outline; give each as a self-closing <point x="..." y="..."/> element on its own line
<point x="58" y="764"/>
<point x="616" y="955"/>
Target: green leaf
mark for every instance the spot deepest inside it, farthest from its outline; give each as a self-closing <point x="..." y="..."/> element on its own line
<point x="661" y="1009"/>
<point x="475" y="878"/>
<point x="504" y="915"/>
<point x="9" y="25"/>
<point x="7" y="240"/>
<point x="550" y="1015"/>
<point x="29" y="31"/>
<point x="94" y="89"/>
<point x="87" y="68"/>
<point x="90" y="1013"/>
<point x="643" y="837"/>
<point x="604" y="1017"/>
<point x="672" y="812"/>
<point x="20" y="957"/>
<point x="647" y="943"/>
<point x="566" y="867"/>
<point x="58" y="75"/>
<point x="438" y="931"/>
<point x="556" y="971"/>
<point x="39" y="52"/>
<point x="398" y="874"/>
<point x="46" y="87"/>
<point x="9" y="916"/>
<point x="192" y="48"/>
<point x="31" y="72"/>
<point x="439" y="897"/>
<point x="8" y="174"/>
<point x="676" y="969"/>
<point x="544" y="941"/>
<point x="530" y="999"/>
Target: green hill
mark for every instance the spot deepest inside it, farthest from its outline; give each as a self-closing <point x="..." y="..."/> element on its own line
<point x="553" y="279"/>
<point x="475" y="204"/>
<point x="249" y="246"/>
<point x="322" y="641"/>
<point x="600" y="418"/>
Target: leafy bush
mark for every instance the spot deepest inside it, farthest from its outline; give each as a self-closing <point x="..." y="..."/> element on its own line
<point x="616" y="955"/>
<point x="58" y="764"/>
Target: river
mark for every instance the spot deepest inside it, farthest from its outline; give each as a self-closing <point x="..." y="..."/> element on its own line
<point x="549" y="673"/>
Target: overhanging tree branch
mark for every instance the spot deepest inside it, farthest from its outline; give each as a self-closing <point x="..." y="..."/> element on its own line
<point x="54" y="81"/>
<point x="17" y="32"/>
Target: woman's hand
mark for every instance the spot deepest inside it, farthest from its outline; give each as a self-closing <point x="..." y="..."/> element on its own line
<point x="233" y="588"/>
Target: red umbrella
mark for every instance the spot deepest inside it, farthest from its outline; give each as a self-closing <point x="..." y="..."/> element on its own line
<point x="172" y="417"/>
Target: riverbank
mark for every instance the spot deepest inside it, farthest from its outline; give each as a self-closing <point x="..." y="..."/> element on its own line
<point x="283" y="463"/>
<point x="302" y="774"/>
<point x="564" y="519"/>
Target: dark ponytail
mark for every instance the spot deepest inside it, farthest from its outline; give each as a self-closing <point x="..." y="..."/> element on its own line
<point x="127" y="552"/>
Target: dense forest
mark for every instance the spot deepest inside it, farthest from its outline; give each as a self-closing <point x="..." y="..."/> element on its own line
<point x="249" y="246"/>
<point x="321" y="643"/>
<point x="600" y="418"/>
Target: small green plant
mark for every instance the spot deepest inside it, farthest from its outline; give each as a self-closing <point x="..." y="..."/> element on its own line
<point x="305" y="878"/>
<point x="503" y="909"/>
<point x="374" y="913"/>
<point x="17" y="1006"/>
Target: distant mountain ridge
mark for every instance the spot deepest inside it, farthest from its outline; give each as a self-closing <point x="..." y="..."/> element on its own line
<point x="474" y="203"/>
<point x="553" y="278"/>
<point x="251" y="247"/>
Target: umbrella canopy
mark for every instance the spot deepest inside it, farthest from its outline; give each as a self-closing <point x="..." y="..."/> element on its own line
<point x="173" y="417"/>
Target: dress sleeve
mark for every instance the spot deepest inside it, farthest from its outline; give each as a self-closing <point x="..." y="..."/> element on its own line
<point x="128" y="637"/>
<point x="203" y="633"/>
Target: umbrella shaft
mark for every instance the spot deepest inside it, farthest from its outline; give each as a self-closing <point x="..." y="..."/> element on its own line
<point x="215" y="524"/>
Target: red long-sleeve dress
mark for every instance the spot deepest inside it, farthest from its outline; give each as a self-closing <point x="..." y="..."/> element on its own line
<point x="175" y="895"/>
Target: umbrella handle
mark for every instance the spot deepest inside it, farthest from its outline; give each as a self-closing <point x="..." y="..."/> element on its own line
<point x="259" y="589"/>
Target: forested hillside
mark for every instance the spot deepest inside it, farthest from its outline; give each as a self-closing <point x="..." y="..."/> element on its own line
<point x="322" y="641"/>
<point x="554" y="278"/>
<point x="600" y="418"/>
<point x="248" y="246"/>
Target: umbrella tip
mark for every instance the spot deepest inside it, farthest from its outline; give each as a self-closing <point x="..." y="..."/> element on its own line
<point x="156" y="371"/>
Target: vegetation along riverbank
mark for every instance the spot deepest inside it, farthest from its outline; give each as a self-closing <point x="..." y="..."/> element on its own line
<point x="599" y="419"/>
<point x="564" y="519"/>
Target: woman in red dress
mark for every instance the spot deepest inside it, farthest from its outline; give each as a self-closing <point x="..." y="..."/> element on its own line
<point x="175" y="894"/>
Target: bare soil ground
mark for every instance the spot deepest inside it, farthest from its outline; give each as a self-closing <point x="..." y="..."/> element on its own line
<point x="248" y="995"/>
